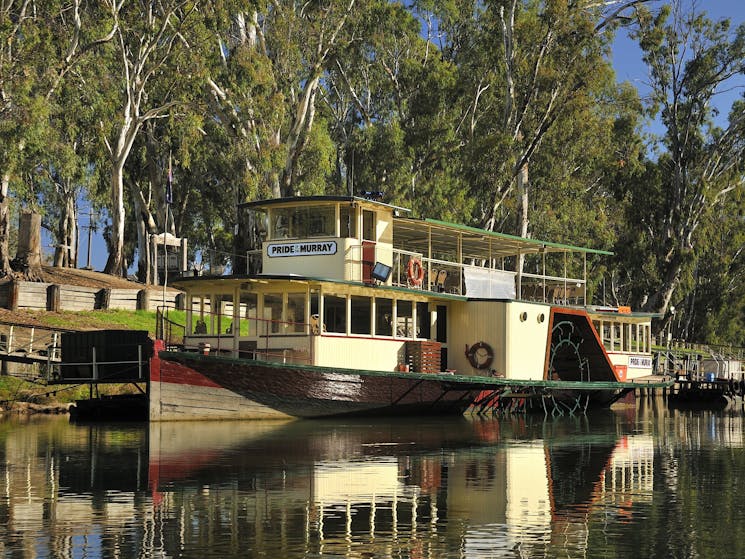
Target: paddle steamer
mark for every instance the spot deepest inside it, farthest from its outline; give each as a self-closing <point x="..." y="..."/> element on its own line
<point x="352" y="306"/>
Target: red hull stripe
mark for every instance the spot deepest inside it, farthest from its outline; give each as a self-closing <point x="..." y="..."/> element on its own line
<point x="176" y="373"/>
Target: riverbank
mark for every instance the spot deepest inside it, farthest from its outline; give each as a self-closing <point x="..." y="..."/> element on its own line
<point x="30" y="408"/>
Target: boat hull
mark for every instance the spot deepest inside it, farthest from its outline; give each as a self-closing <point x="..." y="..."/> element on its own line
<point x="187" y="386"/>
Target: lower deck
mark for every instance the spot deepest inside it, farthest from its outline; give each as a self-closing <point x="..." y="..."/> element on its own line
<point x="315" y="322"/>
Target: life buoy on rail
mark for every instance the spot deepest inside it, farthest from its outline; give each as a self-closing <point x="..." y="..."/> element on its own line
<point x="415" y="271"/>
<point x="480" y="355"/>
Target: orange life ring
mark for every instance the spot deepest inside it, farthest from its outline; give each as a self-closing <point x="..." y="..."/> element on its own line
<point x="480" y="355"/>
<point x="415" y="271"/>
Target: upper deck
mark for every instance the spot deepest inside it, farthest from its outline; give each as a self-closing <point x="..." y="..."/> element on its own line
<point x="352" y="239"/>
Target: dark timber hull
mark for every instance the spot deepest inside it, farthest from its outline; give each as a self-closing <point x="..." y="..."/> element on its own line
<point x="191" y="386"/>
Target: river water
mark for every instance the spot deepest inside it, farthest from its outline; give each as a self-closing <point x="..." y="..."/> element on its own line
<point x="641" y="481"/>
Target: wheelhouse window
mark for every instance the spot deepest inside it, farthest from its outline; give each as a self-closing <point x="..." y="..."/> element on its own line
<point x="303" y="222"/>
<point x="335" y="314"/>
<point x="368" y="225"/>
<point x="361" y="314"/>
<point x="347" y="222"/>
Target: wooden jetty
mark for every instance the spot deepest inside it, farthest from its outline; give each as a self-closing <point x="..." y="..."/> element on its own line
<point x="705" y="377"/>
<point x="25" y="349"/>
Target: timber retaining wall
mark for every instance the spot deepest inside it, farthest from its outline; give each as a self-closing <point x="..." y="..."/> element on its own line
<point x="27" y="295"/>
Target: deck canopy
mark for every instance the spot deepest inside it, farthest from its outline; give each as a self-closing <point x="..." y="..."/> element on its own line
<point x="423" y="235"/>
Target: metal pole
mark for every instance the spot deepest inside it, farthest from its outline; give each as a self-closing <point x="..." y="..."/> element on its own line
<point x="165" y="258"/>
<point x="90" y="235"/>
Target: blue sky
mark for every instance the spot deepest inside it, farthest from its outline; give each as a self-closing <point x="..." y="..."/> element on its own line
<point x="626" y="61"/>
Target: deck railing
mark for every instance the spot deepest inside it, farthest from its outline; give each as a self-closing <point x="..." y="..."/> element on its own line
<point x="253" y="338"/>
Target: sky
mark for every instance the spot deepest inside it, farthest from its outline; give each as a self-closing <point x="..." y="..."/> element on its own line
<point x="626" y="60"/>
<point x="628" y="64"/>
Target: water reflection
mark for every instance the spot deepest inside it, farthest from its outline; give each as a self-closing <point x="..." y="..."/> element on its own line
<point x="517" y="487"/>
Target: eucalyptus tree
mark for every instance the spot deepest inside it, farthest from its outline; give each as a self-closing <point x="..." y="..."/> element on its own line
<point x="41" y="43"/>
<point x="268" y="65"/>
<point x="541" y="64"/>
<point x="150" y="37"/>
<point x="392" y="102"/>
<point x="690" y="59"/>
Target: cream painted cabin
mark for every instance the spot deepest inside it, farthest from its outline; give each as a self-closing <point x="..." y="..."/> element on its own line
<point x="352" y="283"/>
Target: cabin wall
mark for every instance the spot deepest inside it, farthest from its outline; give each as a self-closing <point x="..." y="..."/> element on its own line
<point x="344" y="264"/>
<point x="527" y="338"/>
<point x="472" y="322"/>
<point x="359" y="353"/>
<point x="631" y="366"/>
<point x="519" y="344"/>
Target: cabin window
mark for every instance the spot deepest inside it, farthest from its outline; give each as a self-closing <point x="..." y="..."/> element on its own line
<point x="423" y="321"/>
<point x="347" y="222"/>
<point x="224" y="318"/>
<point x="335" y="314"/>
<point x="248" y="313"/>
<point x="383" y="317"/>
<point x="360" y="307"/>
<point x="272" y="312"/>
<point x="200" y="319"/>
<point x="404" y="319"/>
<point x="368" y="225"/>
<point x="627" y="337"/>
<point x="296" y="312"/>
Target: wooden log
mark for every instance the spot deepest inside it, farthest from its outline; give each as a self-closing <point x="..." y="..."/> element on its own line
<point x="143" y="300"/>
<point x="103" y="298"/>
<point x="13" y="295"/>
<point x="53" y="298"/>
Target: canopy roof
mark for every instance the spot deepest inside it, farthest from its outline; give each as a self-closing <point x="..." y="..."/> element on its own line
<point x="417" y="235"/>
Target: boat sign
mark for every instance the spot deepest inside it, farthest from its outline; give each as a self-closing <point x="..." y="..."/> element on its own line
<point x="638" y="362"/>
<point x="275" y="250"/>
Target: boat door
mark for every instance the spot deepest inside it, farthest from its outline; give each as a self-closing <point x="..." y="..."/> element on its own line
<point x="368" y="244"/>
<point x="442" y="335"/>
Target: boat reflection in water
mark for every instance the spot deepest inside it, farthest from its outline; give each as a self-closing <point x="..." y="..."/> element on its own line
<point x="473" y="488"/>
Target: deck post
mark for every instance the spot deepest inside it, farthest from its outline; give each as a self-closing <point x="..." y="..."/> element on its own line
<point x="139" y="362"/>
<point x="95" y="365"/>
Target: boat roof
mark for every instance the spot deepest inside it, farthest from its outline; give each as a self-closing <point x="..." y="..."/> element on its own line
<point x="292" y="200"/>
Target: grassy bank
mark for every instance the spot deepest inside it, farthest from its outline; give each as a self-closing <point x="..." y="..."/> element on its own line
<point x="97" y="320"/>
<point x="92" y="320"/>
